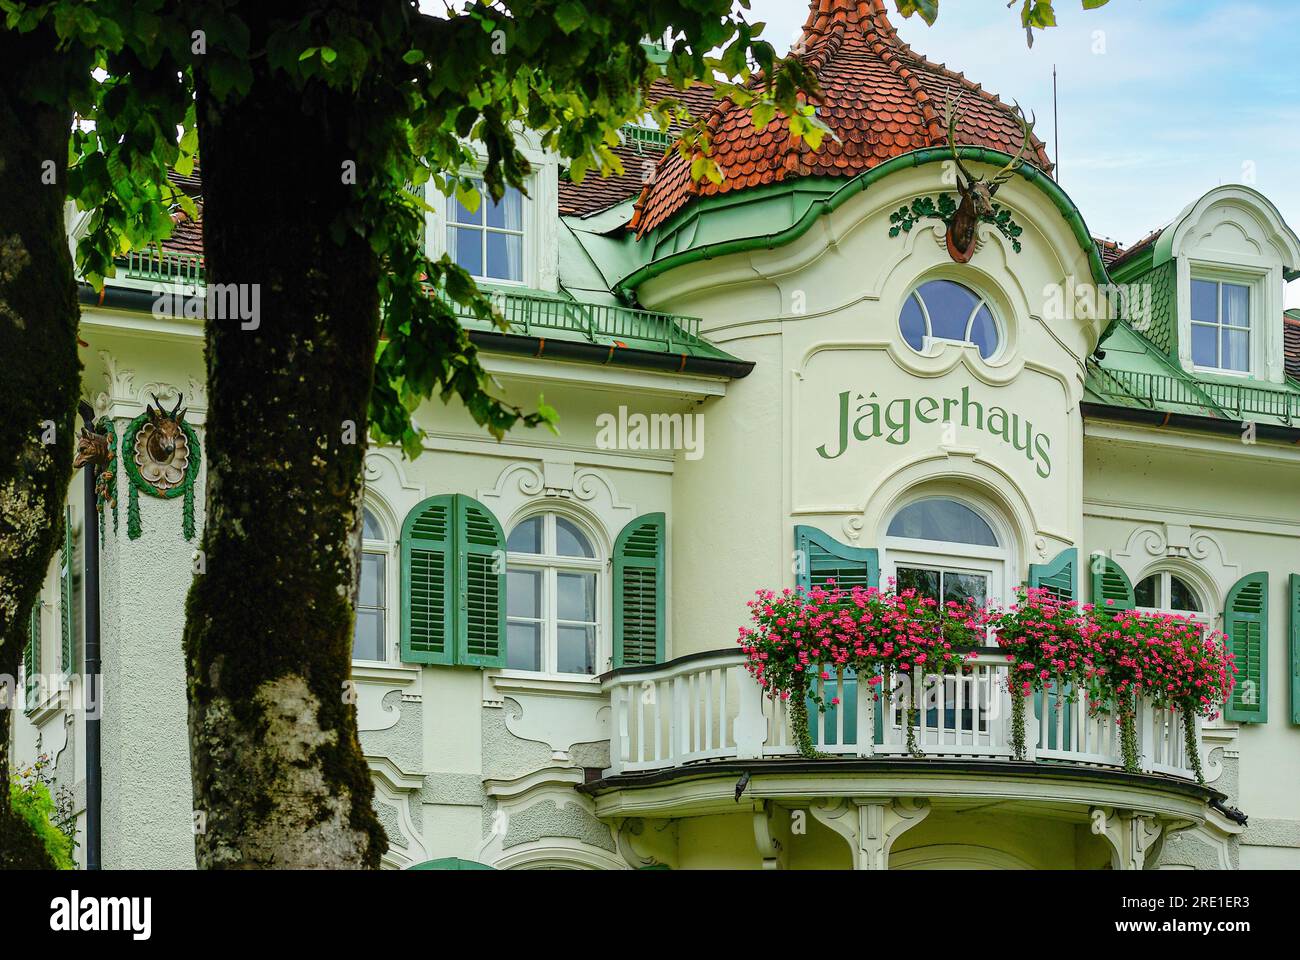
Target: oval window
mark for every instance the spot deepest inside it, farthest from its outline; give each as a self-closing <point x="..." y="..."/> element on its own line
<point x="947" y="311"/>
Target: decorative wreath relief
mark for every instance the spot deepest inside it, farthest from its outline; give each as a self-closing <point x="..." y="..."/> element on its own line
<point x="161" y="454"/>
<point x="944" y="208"/>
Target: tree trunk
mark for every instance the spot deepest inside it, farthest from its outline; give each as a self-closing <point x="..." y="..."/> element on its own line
<point x="40" y="376"/>
<point x="279" y="778"/>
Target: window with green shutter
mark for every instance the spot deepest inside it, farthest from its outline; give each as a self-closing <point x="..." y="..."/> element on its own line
<point x="67" y="600"/>
<point x="639" y="592"/>
<point x="480" y="586"/>
<point x="1245" y="622"/>
<point x="1060" y="576"/>
<point x="453" y="584"/>
<point x="1295" y="648"/>
<point x="820" y="557"/>
<point x="32" y="657"/>
<point x="428" y="582"/>
<point x="1111" y="586"/>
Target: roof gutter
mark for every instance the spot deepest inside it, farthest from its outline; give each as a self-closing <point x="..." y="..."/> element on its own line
<point x="626" y="288"/>
<point x="608" y="354"/>
<point x="143" y="301"/>
<point x="1187" y="421"/>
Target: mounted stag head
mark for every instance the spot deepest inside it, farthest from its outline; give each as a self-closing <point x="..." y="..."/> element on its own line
<point x="977" y="192"/>
<point x="167" y="433"/>
<point x="92" y="447"/>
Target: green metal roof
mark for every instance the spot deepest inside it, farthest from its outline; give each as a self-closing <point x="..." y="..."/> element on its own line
<point x="534" y="314"/>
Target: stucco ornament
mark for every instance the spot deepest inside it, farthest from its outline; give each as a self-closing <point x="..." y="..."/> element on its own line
<point x="161" y="453"/>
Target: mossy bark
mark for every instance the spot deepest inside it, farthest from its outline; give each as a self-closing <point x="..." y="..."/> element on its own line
<point x="39" y="374"/>
<point x="279" y="777"/>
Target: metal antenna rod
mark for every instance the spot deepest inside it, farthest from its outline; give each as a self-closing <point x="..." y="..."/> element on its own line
<point x="1056" y="131"/>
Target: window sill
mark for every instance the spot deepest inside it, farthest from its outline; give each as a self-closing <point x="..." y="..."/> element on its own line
<point x="557" y="684"/>
<point x="385" y="673"/>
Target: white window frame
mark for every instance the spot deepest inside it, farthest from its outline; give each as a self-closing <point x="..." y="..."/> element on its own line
<point x="1206" y="617"/>
<point x="440" y="223"/>
<point x="1264" y="340"/>
<point x="1254" y="284"/>
<point x="387" y="547"/>
<point x="945" y="555"/>
<point x="930" y="345"/>
<point x="551" y="564"/>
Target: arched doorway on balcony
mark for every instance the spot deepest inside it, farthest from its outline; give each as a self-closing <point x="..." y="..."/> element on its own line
<point x="946" y="546"/>
<point x="955" y="856"/>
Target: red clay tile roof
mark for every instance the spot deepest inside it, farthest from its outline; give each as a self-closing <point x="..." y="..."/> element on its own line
<point x="1291" y="348"/>
<point x="639" y="160"/>
<point x="1110" y="250"/>
<point x="879" y="97"/>
<point x="187" y="234"/>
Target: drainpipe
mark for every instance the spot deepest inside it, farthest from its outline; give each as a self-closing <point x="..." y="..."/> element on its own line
<point x="91" y="687"/>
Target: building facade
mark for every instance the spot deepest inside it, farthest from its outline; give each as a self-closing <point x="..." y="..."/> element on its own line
<point x="793" y="375"/>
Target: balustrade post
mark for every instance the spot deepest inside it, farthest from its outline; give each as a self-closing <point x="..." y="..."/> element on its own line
<point x="619" y="701"/>
<point x="681" y="720"/>
<point x="866" y="731"/>
<point x="1146" y="734"/>
<point x="751" y="725"/>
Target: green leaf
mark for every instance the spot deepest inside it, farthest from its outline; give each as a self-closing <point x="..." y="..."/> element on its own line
<point x="570" y="15"/>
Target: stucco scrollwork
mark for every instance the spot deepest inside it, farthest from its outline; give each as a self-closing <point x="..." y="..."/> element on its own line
<point x="1196" y="552"/>
<point x="592" y="490"/>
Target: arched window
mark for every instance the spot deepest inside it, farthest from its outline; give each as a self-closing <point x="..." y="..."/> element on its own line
<point x="943" y="310"/>
<point x="370" y="636"/>
<point x="553" y="596"/>
<point x="945" y="549"/>
<point x="1167" y="592"/>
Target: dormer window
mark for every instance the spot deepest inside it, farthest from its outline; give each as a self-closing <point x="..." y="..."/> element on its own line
<point x="488" y="243"/>
<point x="1221" y="328"/>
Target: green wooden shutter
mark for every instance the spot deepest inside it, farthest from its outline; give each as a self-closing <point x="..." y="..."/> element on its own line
<point x="639" y="592"/>
<point x="821" y="557"/>
<point x="480" y="586"/>
<point x="67" y="609"/>
<point x="427" y="582"/>
<point x="1110" y="582"/>
<point x="1245" y="621"/>
<point x="1295" y="648"/>
<point x="1061" y="576"/>
<point x="32" y="655"/>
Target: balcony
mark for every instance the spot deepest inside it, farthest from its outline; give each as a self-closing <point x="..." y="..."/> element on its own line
<point x="1161" y="391"/>
<point x="707" y="708"/>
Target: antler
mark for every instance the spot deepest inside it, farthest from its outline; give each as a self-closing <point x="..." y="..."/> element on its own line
<point x="1006" y="173"/>
<point x="950" y="120"/>
<point x="180" y="398"/>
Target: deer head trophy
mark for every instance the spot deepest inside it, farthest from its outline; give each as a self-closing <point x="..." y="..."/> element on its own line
<point x="977" y="192"/>
<point x="162" y="449"/>
<point x="92" y="447"/>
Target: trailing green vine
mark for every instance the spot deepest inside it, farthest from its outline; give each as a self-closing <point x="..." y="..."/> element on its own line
<point x="944" y="208"/>
<point x="1019" y="747"/>
<point x="137" y="483"/>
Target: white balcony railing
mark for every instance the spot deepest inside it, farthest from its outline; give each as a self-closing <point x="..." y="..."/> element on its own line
<point x="707" y="707"/>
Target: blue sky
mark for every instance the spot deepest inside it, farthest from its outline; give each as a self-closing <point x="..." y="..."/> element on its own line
<point x="1159" y="100"/>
